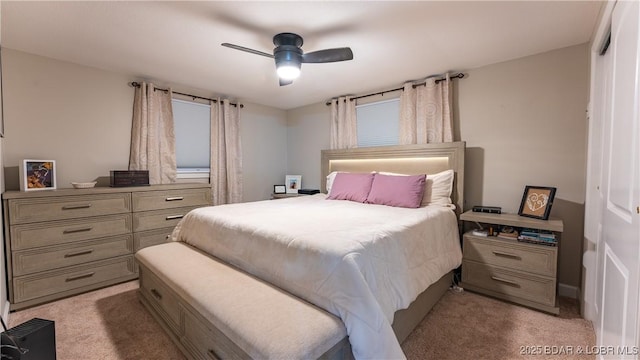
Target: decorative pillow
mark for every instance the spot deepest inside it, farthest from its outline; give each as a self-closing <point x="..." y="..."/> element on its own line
<point x="399" y="191"/>
<point x="351" y="186"/>
<point x="438" y="188"/>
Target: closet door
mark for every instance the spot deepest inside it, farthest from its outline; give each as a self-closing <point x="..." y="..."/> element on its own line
<point x="620" y="245"/>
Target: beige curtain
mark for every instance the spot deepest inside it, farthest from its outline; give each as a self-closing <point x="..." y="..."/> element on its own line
<point x="153" y="143"/>
<point x="343" y="123"/>
<point x="226" y="153"/>
<point x="425" y="112"/>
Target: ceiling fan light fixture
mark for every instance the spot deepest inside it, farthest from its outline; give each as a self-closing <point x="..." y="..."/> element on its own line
<point x="288" y="71"/>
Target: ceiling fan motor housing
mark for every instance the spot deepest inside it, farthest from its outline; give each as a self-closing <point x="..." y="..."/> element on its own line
<point x="287" y="51"/>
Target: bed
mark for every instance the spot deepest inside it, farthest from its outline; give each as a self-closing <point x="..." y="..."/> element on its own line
<point x="367" y="264"/>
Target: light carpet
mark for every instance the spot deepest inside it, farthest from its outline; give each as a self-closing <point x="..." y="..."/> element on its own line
<point x="111" y="324"/>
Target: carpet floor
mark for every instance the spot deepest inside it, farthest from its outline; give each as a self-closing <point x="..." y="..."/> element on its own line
<point x="111" y="324"/>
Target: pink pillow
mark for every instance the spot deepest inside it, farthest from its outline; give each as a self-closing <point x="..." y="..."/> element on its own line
<point x="351" y="186"/>
<point x="399" y="191"/>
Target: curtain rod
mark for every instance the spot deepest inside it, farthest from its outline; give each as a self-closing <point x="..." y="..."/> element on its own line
<point x="455" y="76"/>
<point x="136" y="84"/>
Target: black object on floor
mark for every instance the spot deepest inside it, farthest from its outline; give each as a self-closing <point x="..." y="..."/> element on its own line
<point x="32" y="340"/>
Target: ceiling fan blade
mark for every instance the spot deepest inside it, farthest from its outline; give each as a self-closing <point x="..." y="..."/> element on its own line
<point x="245" y="49"/>
<point x="285" y="82"/>
<point x="328" y="55"/>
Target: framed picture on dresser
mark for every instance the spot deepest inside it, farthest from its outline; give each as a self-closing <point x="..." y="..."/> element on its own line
<point x="38" y="175"/>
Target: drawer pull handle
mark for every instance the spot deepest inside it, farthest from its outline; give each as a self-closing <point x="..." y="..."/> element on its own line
<point x="173" y="217"/>
<point x="78" y="253"/>
<point x="156" y="294"/>
<point x="71" y="231"/>
<point x="74" y="207"/>
<point x="508" y="282"/>
<point x="504" y="254"/>
<point x="168" y="237"/>
<point x="81" y="276"/>
<point x="212" y="354"/>
<point x="175" y="198"/>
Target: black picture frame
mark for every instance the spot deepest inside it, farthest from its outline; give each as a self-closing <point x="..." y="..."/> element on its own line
<point x="536" y="201"/>
<point x="279" y="189"/>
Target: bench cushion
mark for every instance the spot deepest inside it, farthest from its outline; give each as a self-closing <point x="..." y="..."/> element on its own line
<point x="261" y="319"/>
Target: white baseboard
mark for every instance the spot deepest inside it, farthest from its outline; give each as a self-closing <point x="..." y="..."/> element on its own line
<point x="5" y="312"/>
<point x="569" y="291"/>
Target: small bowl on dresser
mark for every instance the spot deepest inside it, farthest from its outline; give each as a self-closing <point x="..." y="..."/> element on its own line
<point x="84" y="185"/>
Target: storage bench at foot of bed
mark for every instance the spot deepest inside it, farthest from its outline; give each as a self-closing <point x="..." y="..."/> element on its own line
<point x="212" y="310"/>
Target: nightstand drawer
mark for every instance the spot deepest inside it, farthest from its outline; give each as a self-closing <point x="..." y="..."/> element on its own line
<point x="53" y="257"/>
<point x="67" y="207"/>
<point x="157" y="200"/>
<point x="536" y="259"/>
<point x="533" y="288"/>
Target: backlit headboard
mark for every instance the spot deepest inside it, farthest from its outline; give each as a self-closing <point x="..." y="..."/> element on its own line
<point x="402" y="159"/>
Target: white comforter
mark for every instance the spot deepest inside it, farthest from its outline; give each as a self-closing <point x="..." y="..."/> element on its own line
<point x="361" y="262"/>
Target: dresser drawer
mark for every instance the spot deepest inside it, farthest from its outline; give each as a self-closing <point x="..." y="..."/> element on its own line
<point x="30" y="210"/>
<point x="53" y="282"/>
<point x="169" y="199"/>
<point x="208" y="344"/>
<point x="162" y="299"/>
<point x="144" y="239"/>
<point x="529" y="287"/>
<point x="537" y="259"/>
<point x="52" y="257"/>
<point x="148" y="220"/>
<point x="59" y="232"/>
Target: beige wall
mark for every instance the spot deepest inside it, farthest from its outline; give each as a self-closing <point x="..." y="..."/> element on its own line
<point x="4" y="308"/>
<point x="81" y="117"/>
<point x="76" y="115"/>
<point x="524" y="124"/>
<point x="523" y="121"/>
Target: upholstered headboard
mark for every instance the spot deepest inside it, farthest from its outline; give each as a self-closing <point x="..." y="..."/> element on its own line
<point x="402" y="159"/>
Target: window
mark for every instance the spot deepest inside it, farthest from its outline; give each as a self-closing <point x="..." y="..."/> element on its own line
<point x="378" y="123"/>
<point x="192" y="129"/>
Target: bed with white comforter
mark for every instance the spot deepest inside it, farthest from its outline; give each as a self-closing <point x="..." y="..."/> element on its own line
<point x="361" y="262"/>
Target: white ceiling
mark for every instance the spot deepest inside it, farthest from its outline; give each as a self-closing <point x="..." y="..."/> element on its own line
<point x="178" y="43"/>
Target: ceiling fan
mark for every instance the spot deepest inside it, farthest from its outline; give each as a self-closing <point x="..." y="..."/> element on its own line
<point x="289" y="56"/>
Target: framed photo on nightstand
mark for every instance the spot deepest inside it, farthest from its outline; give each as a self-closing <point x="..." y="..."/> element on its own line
<point x="279" y="189"/>
<point x="293" y="183"/>
<point x="537" y="201"/>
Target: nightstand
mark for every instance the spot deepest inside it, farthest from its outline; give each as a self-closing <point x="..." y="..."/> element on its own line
<point x="508" y="269"/>
<point x="283" y="196"/>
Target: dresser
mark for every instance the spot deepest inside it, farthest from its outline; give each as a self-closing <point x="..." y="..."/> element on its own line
<point x="64" y="242"/>
<point x="508" y="269"/>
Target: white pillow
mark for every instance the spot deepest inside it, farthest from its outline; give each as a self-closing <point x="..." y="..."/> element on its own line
<point x="330" y="179"/>
<point x="438" y="188"/>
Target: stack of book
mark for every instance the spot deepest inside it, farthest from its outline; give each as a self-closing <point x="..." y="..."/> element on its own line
<point x="538" y="237"/>
<point x="508" y="232"/>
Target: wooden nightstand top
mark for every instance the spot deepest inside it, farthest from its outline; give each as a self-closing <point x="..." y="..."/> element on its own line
<point x="513" y="220"/>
